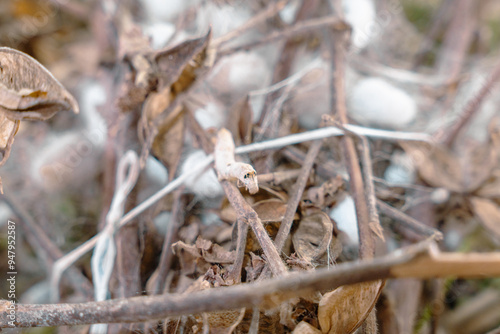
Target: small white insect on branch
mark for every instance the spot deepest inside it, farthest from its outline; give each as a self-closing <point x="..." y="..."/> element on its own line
<point x="227" y="168"/>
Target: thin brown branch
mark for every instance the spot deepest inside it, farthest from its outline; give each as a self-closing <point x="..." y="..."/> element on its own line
<point x="234" y="275"/>
<point x="357" y="188"/>
<point x="158" y="279"/>
<point x="44" y="247"/>
<point x="408" y="222"/>
<point x="267" y="13"/>
<point x="297" y="191"/>
<point x="295" y="30"/>
<point x="249" y="216"/>
<point x="422" y="261"/>
<point x="448" y="135"/>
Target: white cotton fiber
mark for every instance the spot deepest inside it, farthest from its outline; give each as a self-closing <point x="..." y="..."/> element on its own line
<point x="401" y="171"/>
<point x="206" y="185"/>
<point x="159" y="32"/>
<point x="165" y="10"/>
<point x="375" y="102"/>
<point x="238" y="74"/>
<point x="344" y="214"/>
<point x="156" y="171"/>
<point x="360" y="14"/>
<point x="221" y="18"/>
<point x="211" y="115"/>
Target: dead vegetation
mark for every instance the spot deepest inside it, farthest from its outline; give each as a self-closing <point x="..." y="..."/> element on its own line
<point x="252" y="167"/>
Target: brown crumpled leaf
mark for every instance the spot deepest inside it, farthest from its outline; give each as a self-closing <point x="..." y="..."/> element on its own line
<point x="28" y="90"/>
<point x="466" y="171"/>
<point x="305" y="328"/>
<point x="313" y="236"/>
<point x="239" y="122"/>
<point x="214" y="253"/>
<point x="489" y="214"/>
<point x="271" y="210"/>
<point x="8" y="129"/>
<point x="344" y="309"/>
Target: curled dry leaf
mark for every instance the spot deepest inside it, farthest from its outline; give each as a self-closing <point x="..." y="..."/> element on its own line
<point x="271" y="210"/>
<point x="489" y="213"/>
<point x="305" y="328"/>
<point x="8" y="129"/>
<point x="313" y="236"/>
<point x="344" y="309"/>
<point x="28" y="90"/>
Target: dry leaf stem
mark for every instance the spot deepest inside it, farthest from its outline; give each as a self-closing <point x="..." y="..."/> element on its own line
<point x="448" y="136"/>
<point x="408" y="222"/>
<point x="249" y="216"/>
<point x="297" y="191"/>
<point x="158" y="279"/>
<point x="234" y="275"/>
<point x="297" y="29"/>
<point x="45" y="248"/>
<point x="338" y="102"/>
<point x="421" y="261"/>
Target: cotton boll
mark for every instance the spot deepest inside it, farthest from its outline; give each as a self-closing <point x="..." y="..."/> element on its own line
<point x="211" y="115"/>
<point x="288" y="13"/>
<point x="156" y="171"/>
<point x="375" y="102"/>
<point x="92" y="96"/>
<point x="205" y="185"/>
<point x="165" y="10"/>
<point x="401" y="171"/>
<point x="236" y="75"/>
<point x="311" y="98"/>
<point x="222" y="18"/>
<point x="344" y="215"/>
<point x="162" y="220"/>
<point x="5" y="213"/>
<point x="65" y="160"/>
<point x="360" y="14"/>
<point x="159" y="32"/>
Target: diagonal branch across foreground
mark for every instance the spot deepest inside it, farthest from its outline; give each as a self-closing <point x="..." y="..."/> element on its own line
<point x="420" y="261"/>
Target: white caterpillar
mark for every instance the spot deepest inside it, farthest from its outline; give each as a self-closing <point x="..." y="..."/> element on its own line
<point x="227" y="168"/>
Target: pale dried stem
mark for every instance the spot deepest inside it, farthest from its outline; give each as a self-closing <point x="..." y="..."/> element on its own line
<point x="421" y="261"/>
<point x="267" y="13"/>
<point x="297" y="191"/>
<point x="63" y="263"/>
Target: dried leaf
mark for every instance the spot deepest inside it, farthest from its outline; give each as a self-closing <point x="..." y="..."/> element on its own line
<point x="489" y="213"/>
<point x="270" y="210"/>
<point x="313" y="236"/>
<point x="344" y="309"/>
<point x="169" y="141"/>
<point x="436" y="166"/>
<point x="305" y="328"/>
<point x="214" y="253"/>
<point x="8" y="130"/>
<point x="239" y="122"/>
<point x="28" y="90"/>
<point x="176" y="66"/>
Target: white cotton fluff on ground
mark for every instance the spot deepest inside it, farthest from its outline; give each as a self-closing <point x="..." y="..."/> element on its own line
<point x="344" y="214"/>
<point x="162" y="220"/>
<point x="165" y="10"/>
<point x="70" y="158"/>
<point x="360" y="14"/>
<point x="207" y="184"/>
<point x="159" y="32"/>
<point x="375" y="102"/>
<point x="401" y="171"/>
<point x="222" y="18"/>
<point x="211" y="115"/>
<point x="156" y="172"/>
<point x="236" y="75"/>
<point x="288" y="13"/>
